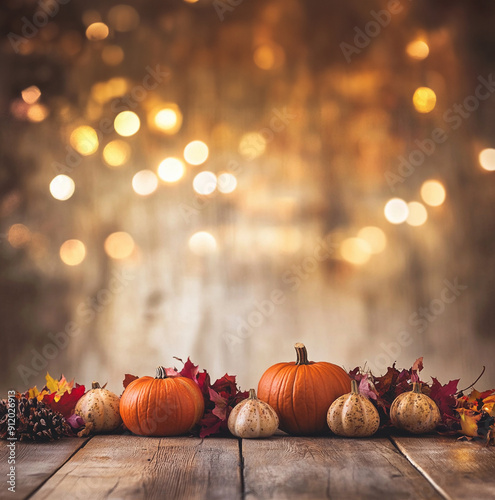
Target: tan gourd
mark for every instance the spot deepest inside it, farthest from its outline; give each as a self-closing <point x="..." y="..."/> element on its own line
<point x="100" y="409"/>
<point x="252" y="418"/>
<point x="353" y="415"/>
<point x="414" y="411"/>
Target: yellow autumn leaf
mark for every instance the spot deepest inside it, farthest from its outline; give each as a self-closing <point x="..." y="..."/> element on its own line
<point x="489" y="408"/>
<point x="474" y="396"/>
<point x="51" y="383"/>
<point x="33" y="392"/>
<point x="469" y="422"/>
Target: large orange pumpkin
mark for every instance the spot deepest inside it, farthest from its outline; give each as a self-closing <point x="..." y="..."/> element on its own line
<point x="302" y="392"/>
<point x="161" y="406"/>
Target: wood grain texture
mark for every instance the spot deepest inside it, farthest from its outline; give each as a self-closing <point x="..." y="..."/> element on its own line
<point x="459" y="469"/>
<point x="317" y="468"/>
<point x="134" y="467"/>
<point x="35" y="463"/>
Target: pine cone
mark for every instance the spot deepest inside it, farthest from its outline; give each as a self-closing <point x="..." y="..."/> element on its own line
<point x="3" y="419"/>
<point x="35" y="421"/>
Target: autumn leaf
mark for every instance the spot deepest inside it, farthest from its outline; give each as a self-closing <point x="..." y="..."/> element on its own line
<point x="190" y="370"/>
<point x="366" y="389"/>
<point x="444" y="396"/>
<point x="418" y="365"/>
<point x="469" y="422"/>
<point x="220" y="409"/>
<point x="66" y="403"/>
<point x="128" y="379"/>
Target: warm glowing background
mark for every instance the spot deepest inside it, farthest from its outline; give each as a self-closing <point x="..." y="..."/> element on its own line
<point x="192" y="178"/>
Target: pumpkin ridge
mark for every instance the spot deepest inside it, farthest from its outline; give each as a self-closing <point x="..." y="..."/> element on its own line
<point x="280" y="366"/>
<point x="190" y="401"/>
<point x="289" y="371"/>
<point x="286" y="372"/>
<point x="310" y="411"/>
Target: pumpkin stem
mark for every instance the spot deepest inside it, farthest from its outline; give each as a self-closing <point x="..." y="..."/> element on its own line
<point x="252" y="394"/>
<point x="416" y="387"/>
<point x="302" y="354"/>
<point x="95" y="385"/>
<point x="354" y="387"/>
<point x="160" y="372"/>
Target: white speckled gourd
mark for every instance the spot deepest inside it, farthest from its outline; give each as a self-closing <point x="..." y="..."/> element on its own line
<point x="353" y="415"/>
<point x="253" y="418"/>
<point x="100" y="408"/>
<point x="414" y="411"/>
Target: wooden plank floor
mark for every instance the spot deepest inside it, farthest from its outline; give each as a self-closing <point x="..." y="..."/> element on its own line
<point x="282" y="467"/>
<point x="307" y="468"/>
<point x="458" y="469"/>
<point x="35" y="463"/>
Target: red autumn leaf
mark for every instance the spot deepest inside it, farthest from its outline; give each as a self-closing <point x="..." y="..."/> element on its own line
<point x="210" y="425"/>
<point x="444" y="396"/>
<point x="67" y="402"/>
<point x="190" y="370"/>
<point x="128" y="379"/>
<point x="220" y="409"/>
<point x="203" y="381"/>
<point x="171" y="372"/>
<point x="485" y="394"/>
<point x="226" y="384"/>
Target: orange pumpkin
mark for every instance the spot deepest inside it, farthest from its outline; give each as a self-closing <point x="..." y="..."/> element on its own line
<point x="302" y="392"/>
<point x="161" y="406"/>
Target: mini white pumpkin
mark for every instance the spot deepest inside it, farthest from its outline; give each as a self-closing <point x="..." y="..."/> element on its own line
<point x="353" y="415"/>
<point x="99" y="408"/>
<point x="253" y="418"/>
<point x="414" y="411"/>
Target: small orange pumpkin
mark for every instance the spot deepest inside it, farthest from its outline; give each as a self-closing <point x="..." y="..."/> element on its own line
<point x="161" y="406"/>
<point x="302" y="392"/>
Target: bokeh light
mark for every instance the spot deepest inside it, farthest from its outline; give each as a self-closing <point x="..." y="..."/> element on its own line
<point x="202" y="243"/>
<point x="168" y="119"/>
<point x="37" y="113"/>
<point x="396" y="211"/>
<point x="252" y="145"/>
<point x="97" y="31"/>
<point x="424" y="99"/>
<point x="123" y="18"/>
<point x="31" y="94"/>
<point x="116" y="153"/>
<point x="62" y="187"/>
<point x="375" y="238"/>
<point x="196" y="152"/>
<point x="269" y="56"/>
<point x="205" y="183"/>
<point x="171" y="169"/>
<point x="112" y="55"/>
<point x="433" y="193"/>
<point x="355" y="250"/>
<point x="417" y="214"/>
<point x="72" y="252"/>
<point x="18" y="235"/>
<point x="226" y="183"/>
<point x="487" y="159"/>
<point x="145" y="182"/>
<point x="126" y="123"/>
<point x="84" y="140"/>
<point x="119" y="245"/>
<point x="417" y="49"/>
